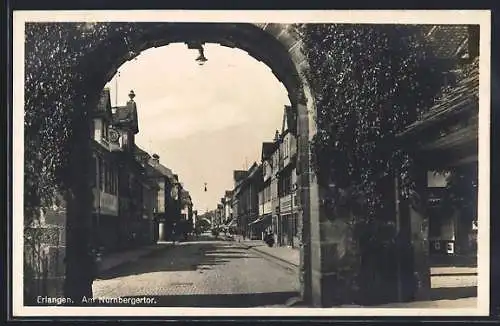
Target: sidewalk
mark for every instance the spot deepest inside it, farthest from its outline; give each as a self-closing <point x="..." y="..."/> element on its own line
<point x="442" y="278"/>
<point x="115" y="259"/>
<point x="286" y="256"/>
<point x="292" y="257"/>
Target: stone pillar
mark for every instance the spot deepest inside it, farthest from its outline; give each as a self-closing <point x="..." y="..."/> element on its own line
<point x="334" y="256"/>
<point x="327" y="254"/>
<point x="304" y="213"/>
<point x="80" y="267"/>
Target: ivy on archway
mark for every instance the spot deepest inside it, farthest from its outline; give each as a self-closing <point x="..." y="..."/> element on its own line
<point x="370" y="82"/>
<point x="54" y="97"/>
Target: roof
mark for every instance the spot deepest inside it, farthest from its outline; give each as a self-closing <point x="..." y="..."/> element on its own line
<point x="289" y="121"/>
<point x="463" y="96"/>
<point x="448" y="41"/>
<point x="139" y="152"/>
<point x="239" y="175"/>
<point x="103" y="107"/>
<point x="185" y="194"/>
<point x="126" y="116"/>
<point x="163" y="170"/>
<point x="229" y="193"/>
<point x="268" y="149"/>
<point x="253" y="170"/>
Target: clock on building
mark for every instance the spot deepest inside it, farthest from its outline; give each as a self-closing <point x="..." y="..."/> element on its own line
<point x="113" y="135"/>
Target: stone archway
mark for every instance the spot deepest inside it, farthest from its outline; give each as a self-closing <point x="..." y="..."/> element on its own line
<point x="94" y="55"/>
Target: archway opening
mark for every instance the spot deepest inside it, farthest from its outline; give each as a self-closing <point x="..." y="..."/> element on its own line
<point x="270" y="44"/>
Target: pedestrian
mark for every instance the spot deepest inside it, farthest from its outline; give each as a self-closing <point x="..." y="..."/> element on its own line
<point x="269" y="238"/>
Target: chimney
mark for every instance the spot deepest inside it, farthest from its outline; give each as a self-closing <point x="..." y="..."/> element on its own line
<point x="277" y="135"/>
<point x="155" y="159"/>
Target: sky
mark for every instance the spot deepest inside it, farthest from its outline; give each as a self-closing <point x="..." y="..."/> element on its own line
<point x="203" y="121"/>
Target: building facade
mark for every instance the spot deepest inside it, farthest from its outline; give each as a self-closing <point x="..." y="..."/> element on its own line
<point x="123" y="194"/>
<point x="287" y="181"/>
<point x="264" y="223"/>
<point x="164" y="179"/>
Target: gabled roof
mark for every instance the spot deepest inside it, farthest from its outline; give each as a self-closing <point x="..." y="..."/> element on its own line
<point x="126" y="117"/>
<point x="268" y="149"/>
<point x="103" y="108"/>
<point x="289" y="121"/>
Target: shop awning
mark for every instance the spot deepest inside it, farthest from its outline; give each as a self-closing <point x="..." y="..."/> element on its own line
<point x="260" y="219"/>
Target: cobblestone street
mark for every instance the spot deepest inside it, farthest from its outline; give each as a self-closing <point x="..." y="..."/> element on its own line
<point x="204" y="273"/>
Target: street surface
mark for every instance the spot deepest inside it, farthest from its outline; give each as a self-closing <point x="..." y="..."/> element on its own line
<point x="203" y="273"/>
<point x="216" y="273"/>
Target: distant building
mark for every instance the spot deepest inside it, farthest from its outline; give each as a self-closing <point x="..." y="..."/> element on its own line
<point x="166" y="211"/>
<point x="106" y="216"/>
<point x="133" y="184"/>
<point x="264" y="222"/>
<point x="245" y="199"/>
<point x="277" y="199"/>
<point x="226" y="202"/>
<point x="287" y="180"/>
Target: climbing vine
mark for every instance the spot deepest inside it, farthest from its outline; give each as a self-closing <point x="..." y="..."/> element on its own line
<point x="370" y="82"/>
<point x="54" y="96"/>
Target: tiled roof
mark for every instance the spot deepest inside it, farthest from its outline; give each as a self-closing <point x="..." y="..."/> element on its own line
<point x="447" y="40"/>
<point x="462" y="96"/>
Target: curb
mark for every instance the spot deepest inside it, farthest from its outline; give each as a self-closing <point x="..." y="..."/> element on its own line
<point x="279" y="261"/>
